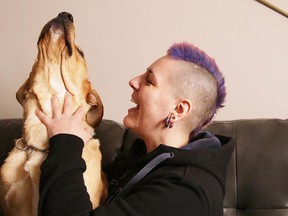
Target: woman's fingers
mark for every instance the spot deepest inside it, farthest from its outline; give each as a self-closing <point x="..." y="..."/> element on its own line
<point x="79" y="113"/>
<point x="67" y="104"/>
<point x="68" y="121"/>
<point x="56" y="112"/>
<point x="42" y="117"/>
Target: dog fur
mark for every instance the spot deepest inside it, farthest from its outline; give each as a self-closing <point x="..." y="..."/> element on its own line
<point x="59" y="67"/>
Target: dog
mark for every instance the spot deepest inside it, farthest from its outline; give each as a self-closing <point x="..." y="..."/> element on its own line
<point x="60" y="67"/>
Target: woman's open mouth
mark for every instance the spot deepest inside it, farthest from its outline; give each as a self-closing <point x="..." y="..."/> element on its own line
<point x="137" y="104"/>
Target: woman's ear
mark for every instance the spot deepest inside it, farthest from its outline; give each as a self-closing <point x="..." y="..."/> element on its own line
<point x="182" y="109"/>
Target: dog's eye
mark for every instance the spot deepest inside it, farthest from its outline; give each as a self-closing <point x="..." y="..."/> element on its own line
<point x="80" y="52"/>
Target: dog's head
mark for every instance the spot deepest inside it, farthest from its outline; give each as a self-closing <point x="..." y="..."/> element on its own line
<point x="59" y="34"/>
<point x="59" y="67"/>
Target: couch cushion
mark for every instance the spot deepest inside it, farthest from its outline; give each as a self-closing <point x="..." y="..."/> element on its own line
<point x="110" y="135"/>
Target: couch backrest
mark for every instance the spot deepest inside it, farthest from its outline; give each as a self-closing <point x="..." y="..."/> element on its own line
<point x="10" y="129"/>
<point x="257" y="176"/>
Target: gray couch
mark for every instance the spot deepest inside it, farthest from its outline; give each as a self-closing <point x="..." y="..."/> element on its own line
<point x="257" y="178"/>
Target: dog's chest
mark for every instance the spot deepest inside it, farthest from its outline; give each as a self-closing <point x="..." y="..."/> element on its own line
<point x="33" y="163"/>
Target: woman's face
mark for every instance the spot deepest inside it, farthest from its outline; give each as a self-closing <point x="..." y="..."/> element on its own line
<point x="153" y="96"/>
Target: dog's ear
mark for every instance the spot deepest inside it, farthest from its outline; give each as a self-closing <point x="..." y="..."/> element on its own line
<point x="22" y="91"/>
<point x="95" y="113"/>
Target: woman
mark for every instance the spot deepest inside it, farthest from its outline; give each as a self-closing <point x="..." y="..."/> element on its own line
<point x="173" y="170"/>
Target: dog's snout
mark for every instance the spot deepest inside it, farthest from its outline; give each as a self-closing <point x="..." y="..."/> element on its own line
<point x="66" y="15"/>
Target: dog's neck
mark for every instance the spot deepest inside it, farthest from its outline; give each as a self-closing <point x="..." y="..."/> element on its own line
<point x="22" y="145"/>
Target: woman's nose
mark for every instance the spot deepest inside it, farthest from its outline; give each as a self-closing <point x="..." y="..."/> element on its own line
<point x="135" y="83"/>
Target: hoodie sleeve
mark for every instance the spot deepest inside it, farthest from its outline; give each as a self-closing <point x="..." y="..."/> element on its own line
<point x="63" y="193"/>
<point x="62" y="189"/>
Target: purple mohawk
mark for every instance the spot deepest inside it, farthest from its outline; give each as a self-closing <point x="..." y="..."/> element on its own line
<point x="190" y="53"/>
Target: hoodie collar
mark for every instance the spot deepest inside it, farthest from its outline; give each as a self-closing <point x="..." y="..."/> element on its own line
<point x="203" y="140"/>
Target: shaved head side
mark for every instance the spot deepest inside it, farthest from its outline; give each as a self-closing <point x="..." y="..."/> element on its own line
<point x="200" y="80"/>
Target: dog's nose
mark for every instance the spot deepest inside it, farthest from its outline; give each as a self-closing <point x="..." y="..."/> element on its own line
<point x="66" y="15"/>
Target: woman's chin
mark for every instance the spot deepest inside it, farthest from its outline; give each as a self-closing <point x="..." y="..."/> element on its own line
<point x="128" y="121"/>
<point x="131" y="122"/>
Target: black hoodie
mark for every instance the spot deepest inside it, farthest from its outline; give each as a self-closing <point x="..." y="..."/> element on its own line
<point x="189" y="181"/>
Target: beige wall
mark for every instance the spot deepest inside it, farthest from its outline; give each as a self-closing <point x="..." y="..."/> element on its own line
<point x="121" y="38"/>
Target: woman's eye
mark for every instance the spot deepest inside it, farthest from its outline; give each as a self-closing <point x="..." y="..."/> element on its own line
<point x="148" y="81"/>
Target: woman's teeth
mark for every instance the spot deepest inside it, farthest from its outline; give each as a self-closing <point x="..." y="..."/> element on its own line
<point x="137" y="105"/>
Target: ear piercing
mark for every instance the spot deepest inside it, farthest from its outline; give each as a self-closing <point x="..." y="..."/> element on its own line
<point x="168" y="123"/>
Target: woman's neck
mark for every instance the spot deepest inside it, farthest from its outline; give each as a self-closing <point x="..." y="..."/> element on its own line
<point x="176" y="140"/>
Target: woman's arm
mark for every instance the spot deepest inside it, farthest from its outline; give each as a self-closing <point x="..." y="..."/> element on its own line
<point x="63" y="193"/>
<point x="62" y="189"/>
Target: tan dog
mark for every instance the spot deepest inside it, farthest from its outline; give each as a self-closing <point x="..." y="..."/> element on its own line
<point x="59" y="67"/>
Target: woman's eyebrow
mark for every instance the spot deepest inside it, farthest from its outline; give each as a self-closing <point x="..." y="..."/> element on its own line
<point x="150" y="71"/>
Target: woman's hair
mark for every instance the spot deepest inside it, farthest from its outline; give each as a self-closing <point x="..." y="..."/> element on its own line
<point x="190" y="53"/>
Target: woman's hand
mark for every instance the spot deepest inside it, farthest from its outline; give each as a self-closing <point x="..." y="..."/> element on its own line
<point x="64" y="121"/>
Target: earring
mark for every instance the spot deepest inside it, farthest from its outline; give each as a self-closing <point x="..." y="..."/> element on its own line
<point x="168" y="123"/>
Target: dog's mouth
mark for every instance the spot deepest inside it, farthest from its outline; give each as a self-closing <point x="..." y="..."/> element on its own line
<point x="61" y="25"/>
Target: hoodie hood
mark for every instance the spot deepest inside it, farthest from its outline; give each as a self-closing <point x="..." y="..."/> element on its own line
<point x="205" y="151"/>
<point x="200" y="165"/>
